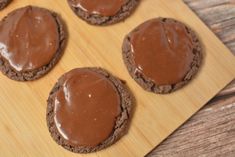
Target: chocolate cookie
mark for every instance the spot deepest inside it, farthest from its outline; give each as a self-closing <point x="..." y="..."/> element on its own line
<point x="4" y="3"/>
<point x="88" y="110"/>
<point x="31" y="43"/>
<point x="103" y="12"/>
<point x="162" y="55"/>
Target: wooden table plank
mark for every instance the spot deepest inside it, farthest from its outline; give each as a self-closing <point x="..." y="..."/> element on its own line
<point x="210" y="132"/>
<point x="219" y="15"/>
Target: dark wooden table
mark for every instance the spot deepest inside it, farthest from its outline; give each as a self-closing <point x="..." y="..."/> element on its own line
<point x="211" y="131"/>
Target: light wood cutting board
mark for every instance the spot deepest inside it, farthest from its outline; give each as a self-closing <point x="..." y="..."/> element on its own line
<point x="23" y="130"/>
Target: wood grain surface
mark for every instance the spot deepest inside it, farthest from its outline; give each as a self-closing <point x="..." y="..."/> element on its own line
<point x="23" y="130"/>
<point x="211" y="131"/>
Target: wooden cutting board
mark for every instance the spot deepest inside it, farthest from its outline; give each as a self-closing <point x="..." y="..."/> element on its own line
<point x="23" y="130"/>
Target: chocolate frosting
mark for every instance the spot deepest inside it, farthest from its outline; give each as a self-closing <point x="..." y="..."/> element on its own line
<point x="162" y="50"/>
<point x="29" y="38"/>
<point x="99" y="7"/>
<point x="86" y="107"/>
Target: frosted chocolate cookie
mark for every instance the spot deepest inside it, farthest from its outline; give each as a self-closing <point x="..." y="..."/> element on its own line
<point x="162" y="55"/>
<point x="88" y="110"/>
<point x="31" y="43"/>
<point x="103" y="12"/>
<point x="4" y="3"/>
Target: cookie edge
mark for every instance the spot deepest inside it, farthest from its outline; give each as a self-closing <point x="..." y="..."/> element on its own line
<point x="149" y="85"/>
<point x="121" y="125"/>
<point x="11" y="73"/>
<point x="4" y="4"/>
<point x="92" y="19"/>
